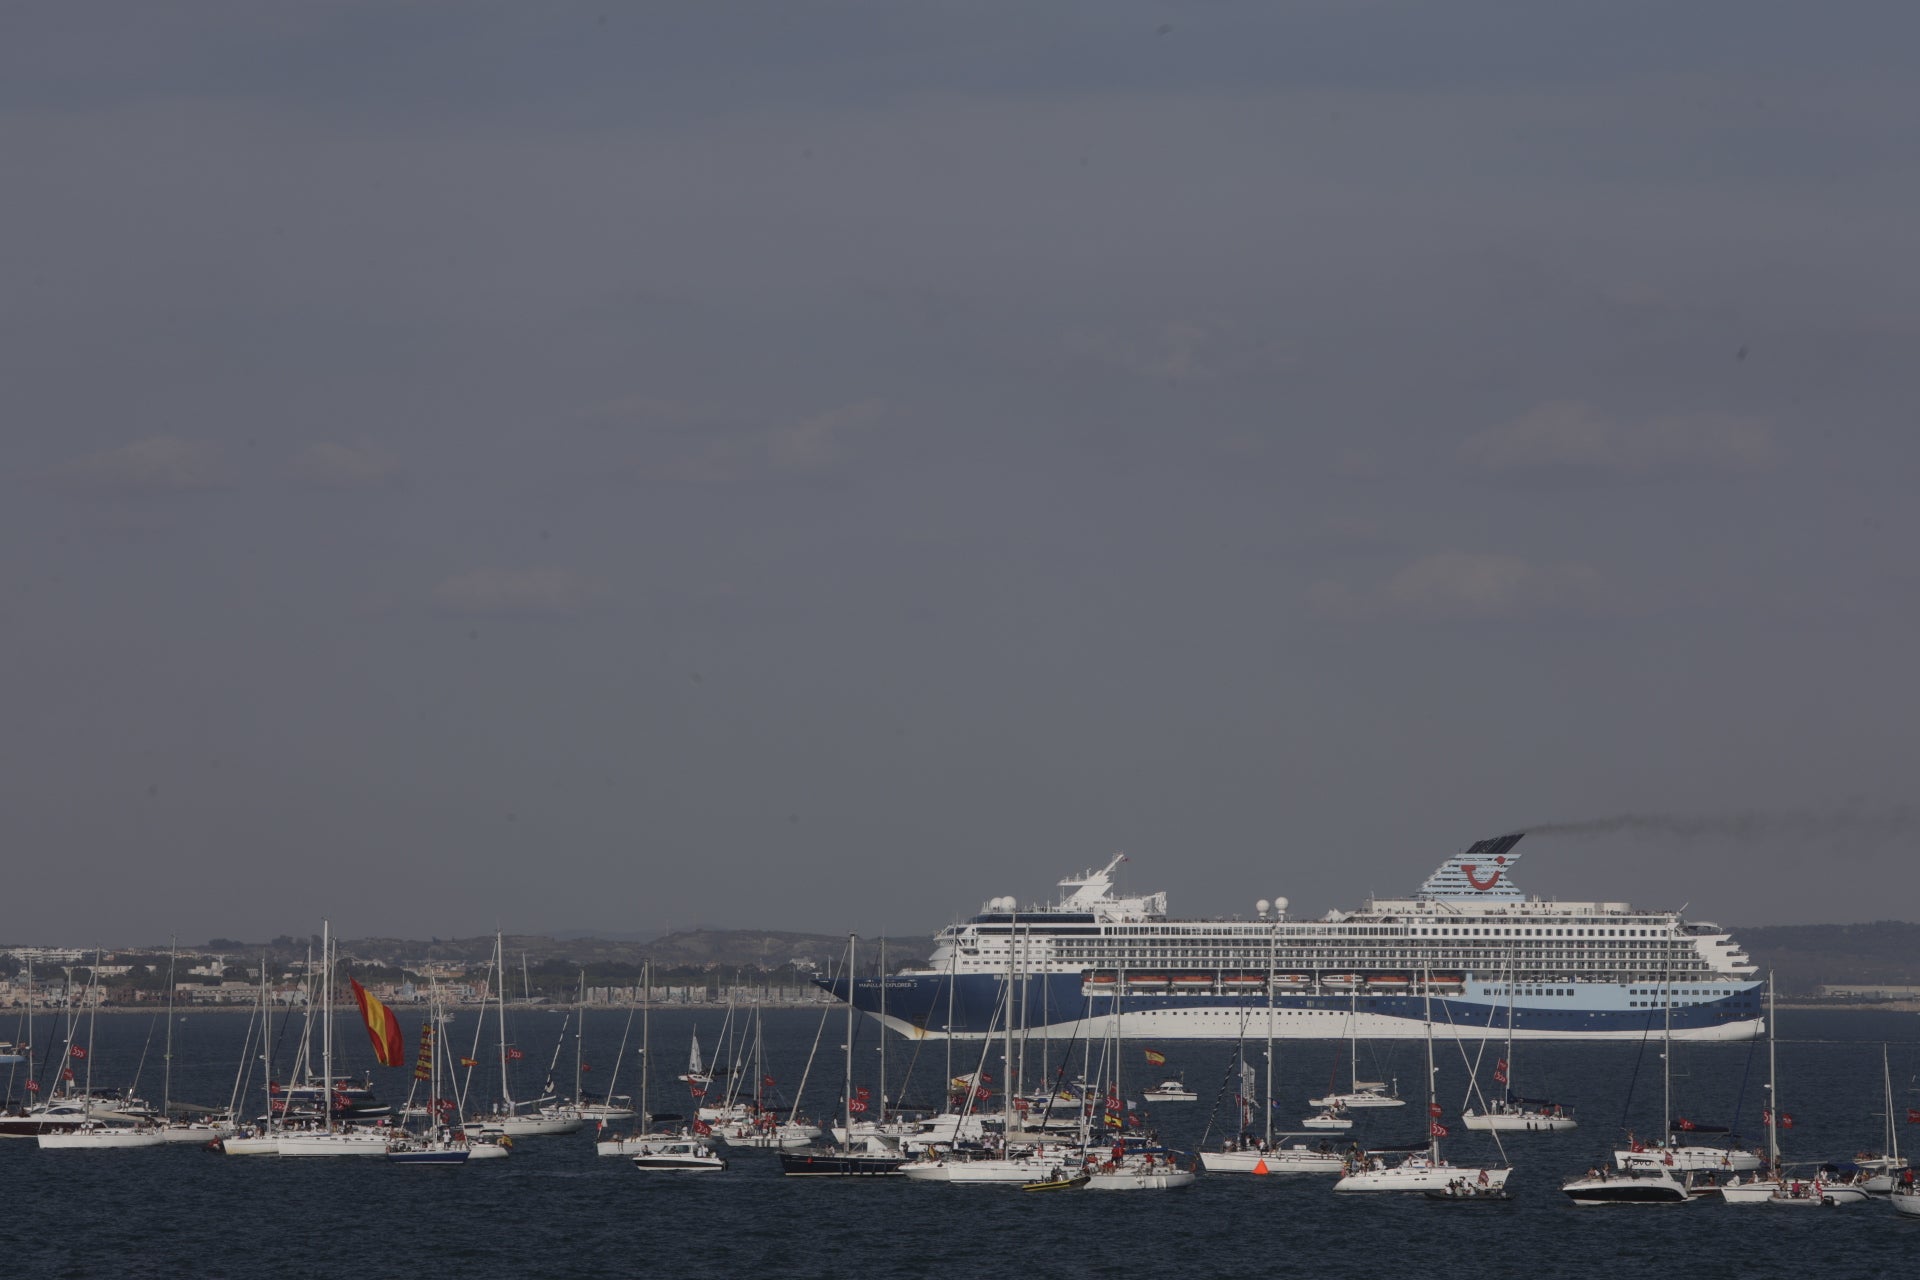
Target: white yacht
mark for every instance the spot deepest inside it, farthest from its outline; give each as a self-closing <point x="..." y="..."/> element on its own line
<point x="677" y="1155"/>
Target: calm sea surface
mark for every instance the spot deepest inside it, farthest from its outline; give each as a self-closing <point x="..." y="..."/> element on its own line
<point x="554" y="1209"/>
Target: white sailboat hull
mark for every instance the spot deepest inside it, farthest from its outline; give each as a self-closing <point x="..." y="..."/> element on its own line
<point x="372" y="1145"/>
<point x="1758" y="1191"/>
<point x="250" y="1146"/>
<point x="1517" y="1122"/>
<point x="1352" y="1101"/>
<point x="1421" y="1175"/>
<point x="98" y="1139"/>
<point x="1689" y="1159"/>
<point x="530" y="1126"/>
<point x="1159" y="1178"/>
<point x="998" y="1172"/>
<point x="1906" y="1202"/>
<point x="1278" y="1160"/>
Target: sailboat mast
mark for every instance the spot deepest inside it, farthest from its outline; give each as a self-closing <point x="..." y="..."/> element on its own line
<point x="646" y="1042"/>
<point x="93" y="1020"/>
<point x="266" y="1041"/>
<point x="847" y="1100"/>
<point x="326" y="1020"/>
<point x="1007" y="1081"/>
<point x="579" y="1028"/>
<point x="500" y="1001"/>
<point x="1433" y="1124"/>
<point x="1353" y="1043"/>
<point x="1773" y="1087"/>
<point x="1510" y="985"/>
<point x="1893" y="1130"/>
<point x="1666" y="1067"/>
<point x="1119" y="1089"/>
<point x="883" y="1030"/>
<point x="1017" y="944"/>
<point x="1272" y="944"/>
<point x="166" y="1058"/>
<point x="953" y="959"/>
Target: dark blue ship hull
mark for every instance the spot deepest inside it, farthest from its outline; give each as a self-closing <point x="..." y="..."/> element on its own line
<point x="932" y="1005"/>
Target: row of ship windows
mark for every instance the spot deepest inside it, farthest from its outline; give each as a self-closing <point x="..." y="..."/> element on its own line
<point x="1380" y="931"/>
<point x="1681" y="1003"/>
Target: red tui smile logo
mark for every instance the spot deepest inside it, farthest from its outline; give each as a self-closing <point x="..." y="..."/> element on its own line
<point x="1468" y="868"/>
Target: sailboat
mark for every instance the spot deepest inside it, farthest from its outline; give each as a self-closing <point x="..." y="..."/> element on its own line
<point x="1131" y="1165"/>
<point x="1426" y="1171"/>
<point x="1680" y="1156"/>
<point x="1364" y="1093"/>
<point x="874" y="1158"/>
<point x="1512" y="1113"/>
<point x="250" y="1141"/>
<point x="1264" y="1156"/>
<point x="589" y="1106"/>
<point x="1906" y="1195"/>
<point x="210" y="1129"/>
<point x="1011" y="1163"/>
<point x="1762" y="1189"/>
<point x="507" y="1119"/>
<point x="1885" y="1166"/>
<point x="330" y="1138"/>
<point x="94" y="1133"/>
<point x="696" y="1072"/>
<point x="444" y="1140"/>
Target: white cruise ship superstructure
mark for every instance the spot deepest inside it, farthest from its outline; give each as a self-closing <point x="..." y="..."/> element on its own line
<point x="1469" y="943"/>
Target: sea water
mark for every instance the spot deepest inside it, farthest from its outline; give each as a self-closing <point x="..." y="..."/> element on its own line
<point x="555" y="1209"/>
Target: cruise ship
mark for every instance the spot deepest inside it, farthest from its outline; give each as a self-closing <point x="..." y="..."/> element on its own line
<point x="1469" y="946"/>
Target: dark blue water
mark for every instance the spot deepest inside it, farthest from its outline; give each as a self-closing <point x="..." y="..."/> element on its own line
<point x="555" y="1209"/>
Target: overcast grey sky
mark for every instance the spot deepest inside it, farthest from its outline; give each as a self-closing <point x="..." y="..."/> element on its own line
<point x="822" y="465"/>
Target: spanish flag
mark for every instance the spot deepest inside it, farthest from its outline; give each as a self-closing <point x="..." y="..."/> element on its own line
<point x="1155" y="1058"/>
<point x="382" y="1027"/>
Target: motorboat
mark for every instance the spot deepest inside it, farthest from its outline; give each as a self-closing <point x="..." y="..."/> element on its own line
<point x="1170" y="1090"/>
<point x="1629" y="1185"/>
<point x="1331" y="1118"/>
<point x="678" y="1155"/>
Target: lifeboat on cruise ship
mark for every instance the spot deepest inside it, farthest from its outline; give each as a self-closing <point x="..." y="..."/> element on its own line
<point x="1387" y="982"/>
<point x="1146" y="982"/>
<point x="1343" y="981"/>
<point x="1245" y="982"/>
<point x="1102" y="980"/>
<point x="1447" y="982"/>
<point x="1193" y="982"/>
<point x="1290" y="980"/>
